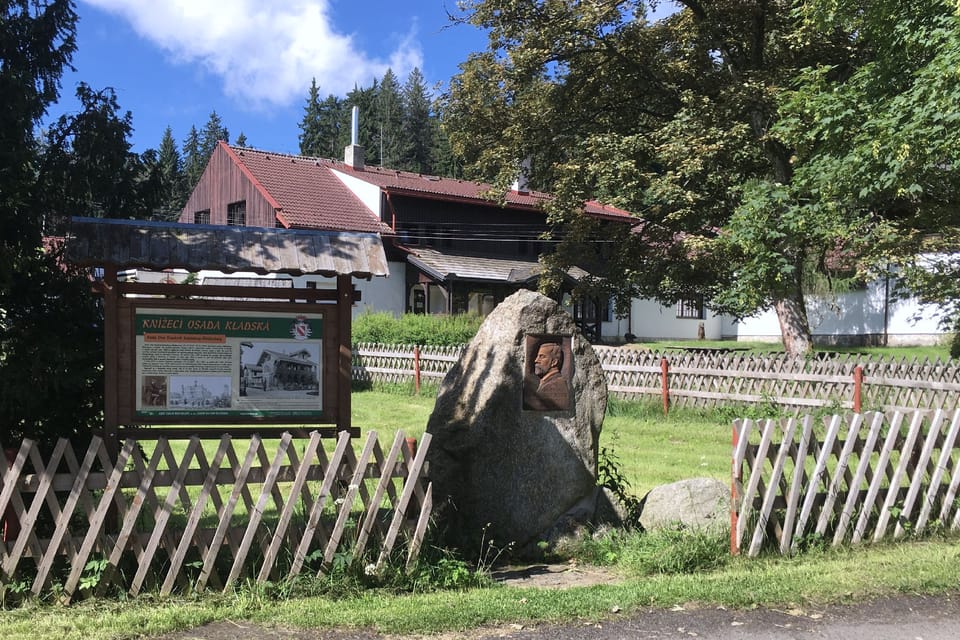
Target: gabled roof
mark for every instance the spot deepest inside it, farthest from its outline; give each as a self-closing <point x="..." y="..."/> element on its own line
<point x="452" y="189"/>
<point x="306" y="192"/>
<point x="298" y="183"/>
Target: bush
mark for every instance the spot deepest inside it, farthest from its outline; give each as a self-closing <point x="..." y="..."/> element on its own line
<point x="382" y="327"/>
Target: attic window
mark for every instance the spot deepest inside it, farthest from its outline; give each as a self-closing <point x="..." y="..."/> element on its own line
<point x="237" y="214"/>
<point x="201" y="217"/>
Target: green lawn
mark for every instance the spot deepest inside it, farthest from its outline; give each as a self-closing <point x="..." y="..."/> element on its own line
<point x="650" y="449"/>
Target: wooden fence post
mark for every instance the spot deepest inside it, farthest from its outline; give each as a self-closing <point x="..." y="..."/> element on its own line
<point x="734" y="478"/>
<point x="857" y="388"/>
<point x="416" y="369"/>
<point x="664" y="367"/>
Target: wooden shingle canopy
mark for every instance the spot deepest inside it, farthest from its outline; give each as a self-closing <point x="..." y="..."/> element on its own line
<point x="98" y="242"/>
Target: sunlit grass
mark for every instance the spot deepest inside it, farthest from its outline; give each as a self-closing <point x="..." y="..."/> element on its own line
<point x="808" y="581"/>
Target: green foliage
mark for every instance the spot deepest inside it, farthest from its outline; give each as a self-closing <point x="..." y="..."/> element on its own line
<point x="92" y="573"/>
<point x="50" y="325"/>
<point x="610" y="476"/>
<point x="420" y="329"/>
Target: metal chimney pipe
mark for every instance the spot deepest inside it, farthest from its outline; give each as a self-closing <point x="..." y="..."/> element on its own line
<point x="355" y="126"/>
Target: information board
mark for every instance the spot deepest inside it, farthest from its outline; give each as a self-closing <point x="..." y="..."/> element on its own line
<point x="235" y="364"/>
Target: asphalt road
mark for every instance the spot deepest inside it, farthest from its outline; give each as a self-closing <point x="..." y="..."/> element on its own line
<point x="901" y="618"/>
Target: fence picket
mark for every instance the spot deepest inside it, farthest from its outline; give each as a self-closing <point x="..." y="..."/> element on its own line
<point x="266" y="492"/>
<point x="176" y="488"/>
<point x="39" y="499"/>
<point x="406" y="494"/>
<point x="916" y="479"/>
<point x="936" y="479"/>
<point x="223" y="527"/>
<point x="826" y="510"/>
<point x="326" y="490"/>
<point x="873" y="492"/>
<point x="894" y="491"/>
<point x="796" y="484"/>
<point x="772" y="486"/>
<point x="78" y="562"/>
<point x="859" y="476"/>
<point x="813" y="482"/>
<point x="384" y="485"/>
<point x="176" y="561"/>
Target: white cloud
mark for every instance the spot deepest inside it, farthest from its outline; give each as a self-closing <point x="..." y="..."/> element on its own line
<point x="265" y="51"/>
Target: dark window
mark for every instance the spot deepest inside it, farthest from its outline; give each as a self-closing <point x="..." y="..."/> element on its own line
<point x="201" y="217"/>
<point x="237" y="214"/>
<point x="691" y="308"/>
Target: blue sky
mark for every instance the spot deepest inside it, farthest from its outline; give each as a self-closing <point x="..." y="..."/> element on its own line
<point x="172" y="62"/>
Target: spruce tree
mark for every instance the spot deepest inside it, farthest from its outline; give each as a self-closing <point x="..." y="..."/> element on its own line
<point x="213" y="132"/>
<point x="311" y="138"/>
<point x="170" y="166"/>
<point x="389" y="135"/>
<point x="418" y="130"/>
<point x="193" y="160"/>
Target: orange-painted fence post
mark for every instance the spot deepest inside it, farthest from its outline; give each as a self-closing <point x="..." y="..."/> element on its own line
<point x="734" y="478"/>
<point x="664" y="367"/>
<point x="416" y="369"/>
<point x="857" y="388"/>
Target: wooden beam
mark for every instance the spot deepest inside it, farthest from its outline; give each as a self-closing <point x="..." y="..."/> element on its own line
<point x="345" y="295"/>
<point x="111" y="362"/>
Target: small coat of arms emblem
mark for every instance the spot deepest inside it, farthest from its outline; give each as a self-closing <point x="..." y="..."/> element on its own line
<point x="300" y="329"/>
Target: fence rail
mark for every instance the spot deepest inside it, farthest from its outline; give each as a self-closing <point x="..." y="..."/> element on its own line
<point x="183" y="519"/>
<point x="864" y="477"/>
<point x="706" y="379"/>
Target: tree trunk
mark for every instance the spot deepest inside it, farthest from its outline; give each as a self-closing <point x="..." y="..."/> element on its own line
<point x="794" y="327"/>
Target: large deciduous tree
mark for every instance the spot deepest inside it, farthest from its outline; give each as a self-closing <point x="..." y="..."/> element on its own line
<point x="881" y="142"/>
<point x="671" y="119"/>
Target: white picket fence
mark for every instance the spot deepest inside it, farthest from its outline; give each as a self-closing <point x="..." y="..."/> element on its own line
<point x="856" y="478"/>
<point x="207" y="514"/>
<point x="711" y="378"/>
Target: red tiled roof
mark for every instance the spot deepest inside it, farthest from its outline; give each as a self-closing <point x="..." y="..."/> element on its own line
<point x="298" y="183"/>
<point x="405" y="182"/>
<point x="309" y="195"/>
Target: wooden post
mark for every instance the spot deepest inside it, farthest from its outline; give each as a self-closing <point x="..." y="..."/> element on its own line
<point x="664" y="367"/>
<point x="344" y="318"/>
<point x="416" y="369"/>
<point x="111" y="362"/>
<point x="857" y="388"/>
<point x="734" y="478"/>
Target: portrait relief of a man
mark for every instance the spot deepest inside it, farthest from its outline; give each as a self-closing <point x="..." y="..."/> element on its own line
<point x="546" y="383"/>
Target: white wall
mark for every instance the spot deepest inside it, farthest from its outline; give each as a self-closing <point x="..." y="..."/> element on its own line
<point x="649" y="320"/>
<point x="841" y="317"/>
